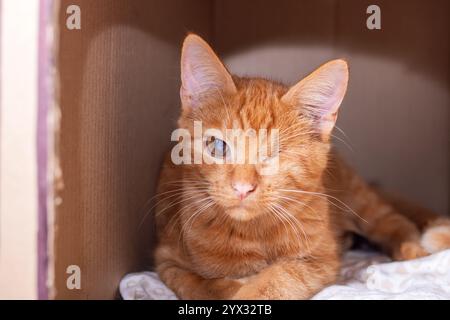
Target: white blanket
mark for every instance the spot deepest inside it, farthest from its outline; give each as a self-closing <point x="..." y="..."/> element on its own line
<point x="364" y="276"/>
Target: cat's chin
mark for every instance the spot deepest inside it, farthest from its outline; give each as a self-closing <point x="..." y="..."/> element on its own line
<point x="241" y="213"/>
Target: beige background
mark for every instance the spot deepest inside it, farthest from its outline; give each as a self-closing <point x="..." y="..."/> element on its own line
<point x="18" y="153"/>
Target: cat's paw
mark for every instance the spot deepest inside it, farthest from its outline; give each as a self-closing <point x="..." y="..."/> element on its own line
<point x="437" y="237"/>
<point x="251" y="292"/>
<point x="409" y="250"/>
<point x="257" y="287"/>
<point x="240" y="295"/>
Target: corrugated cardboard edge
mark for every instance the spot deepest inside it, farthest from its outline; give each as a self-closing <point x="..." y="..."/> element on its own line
<point x="50" y="176"/>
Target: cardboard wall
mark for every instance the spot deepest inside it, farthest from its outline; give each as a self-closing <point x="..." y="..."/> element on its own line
<point x="119" y="103"/>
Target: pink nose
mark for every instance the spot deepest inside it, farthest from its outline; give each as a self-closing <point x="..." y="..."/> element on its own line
<point x="243" y="189"/>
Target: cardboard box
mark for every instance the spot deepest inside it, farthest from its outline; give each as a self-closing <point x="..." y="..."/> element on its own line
<point x="105" y="99"/>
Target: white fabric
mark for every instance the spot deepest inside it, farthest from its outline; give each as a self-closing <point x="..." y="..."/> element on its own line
<point x="364" y="276"/>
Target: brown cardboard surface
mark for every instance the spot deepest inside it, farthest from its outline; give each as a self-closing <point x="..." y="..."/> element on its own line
<point x="119" y="102"/>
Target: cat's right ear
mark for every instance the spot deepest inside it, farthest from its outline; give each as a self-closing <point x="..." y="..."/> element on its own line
<point x="203" y="75"/>
<point x="320" y="94"/>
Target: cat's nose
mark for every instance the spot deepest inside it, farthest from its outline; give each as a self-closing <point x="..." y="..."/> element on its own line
<point x="243" y="189"/>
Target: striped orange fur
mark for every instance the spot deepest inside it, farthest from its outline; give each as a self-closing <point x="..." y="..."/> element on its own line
<point x="284" y="239"/>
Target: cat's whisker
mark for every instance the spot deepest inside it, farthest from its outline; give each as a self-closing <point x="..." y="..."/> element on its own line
<point x="194" y="185"/>
<point x="294" y="130"/>
<point x="300" y="203"/>
<point x="179" y="202"/>
<point x="197" y="201"/>
<point x="343" y="132"/>
<point x="283" y="214"/>
<point x="344" y="142"/>
<point x="307" y="239"/>
<point x="327" y="197"/>
<point x="277" y="216"/>
<point x="290" y="126"/>
<point x="291" y="219"/>
<point x="296" y="135"/>
<point x="177" y="192"/>
<point x="292" y="153"/>
<point x="299" y="223"/>
<point x="183" y="210"/>
<point x="148" y="202"/>
<point x="347" y="208"/>
<point x="330" y="174"/>
<point x="183" y="182"/>
<point x="297" y="128"/>
<point x="199" y="211"/>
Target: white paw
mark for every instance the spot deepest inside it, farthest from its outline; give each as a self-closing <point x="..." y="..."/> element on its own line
<point x="436" y="238"/>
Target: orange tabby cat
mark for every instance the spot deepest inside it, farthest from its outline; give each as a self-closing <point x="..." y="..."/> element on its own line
<point x="225" y="231"/>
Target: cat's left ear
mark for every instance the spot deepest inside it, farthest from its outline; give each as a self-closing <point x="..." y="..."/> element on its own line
<point x="203" y="75"/>
<point x="320" y="94"/>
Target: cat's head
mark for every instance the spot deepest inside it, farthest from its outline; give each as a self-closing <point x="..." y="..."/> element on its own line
<point x="302" y="117"/>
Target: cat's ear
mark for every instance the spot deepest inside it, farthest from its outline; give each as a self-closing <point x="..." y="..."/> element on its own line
<point x="320" y="94"/>
<point x="203" y="76"/>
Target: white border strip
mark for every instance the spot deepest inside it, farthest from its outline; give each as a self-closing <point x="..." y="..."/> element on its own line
<point x="18" y="169"/>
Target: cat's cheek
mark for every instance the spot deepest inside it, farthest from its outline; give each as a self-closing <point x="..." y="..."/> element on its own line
<point x="297" y="171"/>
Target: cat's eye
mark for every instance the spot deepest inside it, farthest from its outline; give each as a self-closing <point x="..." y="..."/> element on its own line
<point x="217" y="148"/>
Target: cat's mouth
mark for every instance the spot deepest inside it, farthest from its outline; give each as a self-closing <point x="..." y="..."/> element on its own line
<point x="238" y="205"/>
<point x="239" y="209"/>
<point x="240" y="212"/>
<point x="243" y="211"/>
